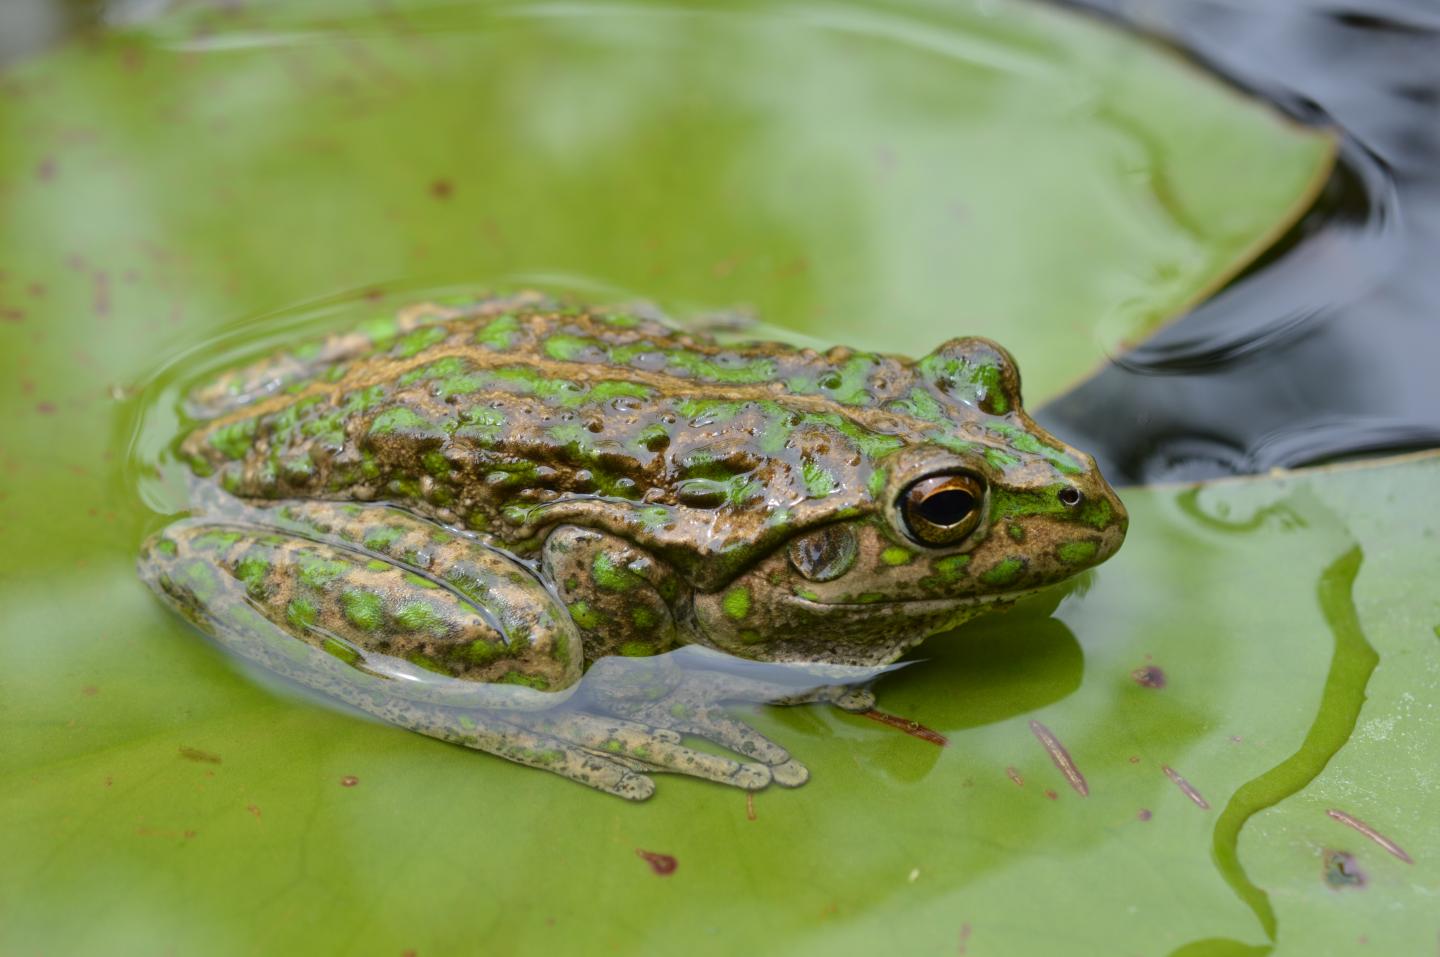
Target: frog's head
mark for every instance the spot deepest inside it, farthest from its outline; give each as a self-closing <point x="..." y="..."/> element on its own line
<point x="979" y="507"/>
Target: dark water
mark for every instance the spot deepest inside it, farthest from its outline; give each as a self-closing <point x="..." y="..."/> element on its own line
<point x="1329" y="346"/>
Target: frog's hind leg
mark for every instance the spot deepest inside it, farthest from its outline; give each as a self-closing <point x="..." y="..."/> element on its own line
<point x="327" y="356"/>
<point x="367" y="633"/>
<point x="419" y="626"/>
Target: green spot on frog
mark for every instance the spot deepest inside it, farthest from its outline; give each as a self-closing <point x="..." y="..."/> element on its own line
<point x="1001" y="460"/>
<point x="1097" y="514"/>
<point x="363" y="400"/>
<point x="363" y="609"/>
<point x="253" y="570"/>
<point x="301" y="613"/>
<point x="819" y="480"/>
<point x="737" y="602"/>
<point x="653" y="518"/>
<point x="199" y="579"/>
<point x="439" y="369"/>
<point x="538" y="682"/>
<point x="419" y="616"/>
<point x="234" y="440"/>
<point x="435" y="463"/>
<point x="586" y="617"/>
<point x="637" y="649"/>
<point x="1022" y="441"/>
<point x="215" y="540"/>
<point x="404" y="420"/>
<point x="483" y="425"/>
<point x="610" y="576"/>
<point x="1016" y="532"/>
<point x="895" y="555"/>
<point x="499" y="333"/>
<point x="1003" y="572"/>
<point x="482" y="652"/>
<point x="418" y="341"/>
<point x="429" y="664"/>
<point x="317" y="572"/>
<point x="951" y="567"/>
<point x="378" y="538"/>
<point x="341" y="650"/>
<point x="875" y="484"/>
<point x="566" y="348"/>
<point x="1076" y="553"/>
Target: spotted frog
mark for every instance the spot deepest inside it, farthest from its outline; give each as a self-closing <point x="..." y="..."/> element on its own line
<point x="447" y="518"/>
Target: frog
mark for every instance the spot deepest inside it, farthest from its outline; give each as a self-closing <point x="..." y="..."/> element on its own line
<point x="449" y="516"/>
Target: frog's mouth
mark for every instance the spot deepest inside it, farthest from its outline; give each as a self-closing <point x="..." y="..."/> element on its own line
<point x="905" y="606"/>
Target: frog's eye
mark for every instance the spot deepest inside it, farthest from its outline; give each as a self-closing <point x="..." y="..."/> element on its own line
<point x="941" y="510"/>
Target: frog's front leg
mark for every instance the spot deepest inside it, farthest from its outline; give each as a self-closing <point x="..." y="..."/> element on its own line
<point x="621" y="598"/>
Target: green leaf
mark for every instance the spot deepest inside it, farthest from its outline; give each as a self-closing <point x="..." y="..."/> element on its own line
<point x="888" y="176"/>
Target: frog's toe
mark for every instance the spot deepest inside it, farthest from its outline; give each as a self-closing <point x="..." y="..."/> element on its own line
<point x="790" y="774"/>
<point x="633" y="787"/>
<point x="678" y="759"/>
<point x="715" y="725"/>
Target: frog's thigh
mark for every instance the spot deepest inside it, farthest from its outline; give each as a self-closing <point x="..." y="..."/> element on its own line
<point x="618" y="595"/>
<point x="355" y="605"/>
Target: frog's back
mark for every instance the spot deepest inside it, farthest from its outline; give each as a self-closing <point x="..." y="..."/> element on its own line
<point x="509" y="422"/>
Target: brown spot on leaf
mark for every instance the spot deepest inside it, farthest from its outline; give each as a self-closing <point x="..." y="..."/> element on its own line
<point x="253" y="810"/>
<point x="195" y="754"/>
<point x="1341" y="870"/>
<point x="349" y="781"/>
<point x="46" y="169"/>
<point x="750" y="805"/>
<point x="1143" y="814"/>
<point x="46" y="408"/>
<point x="1371" y="833"/>
<point x="1061" y="757"/>
<point x="662" y="864"/>
<point x="442" y="189"/>
<point x="1014" y="775"/>
<point x="1050" y="793"/>
<point x="1150" y="676"/>
<point x="913" y="728"/>
<point x="90" y="691"/>
<point x="11" y="314"/>
<point x="1186" y="788"/>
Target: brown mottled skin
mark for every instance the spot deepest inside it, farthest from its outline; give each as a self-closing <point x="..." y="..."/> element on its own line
<point x="496" y="494"/>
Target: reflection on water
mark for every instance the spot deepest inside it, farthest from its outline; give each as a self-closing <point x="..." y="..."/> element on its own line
<point x="1326" y="348"/>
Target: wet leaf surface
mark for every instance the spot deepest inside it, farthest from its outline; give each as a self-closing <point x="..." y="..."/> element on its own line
<point x="1202" y="700"/>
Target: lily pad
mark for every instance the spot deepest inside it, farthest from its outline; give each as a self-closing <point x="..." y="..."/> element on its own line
<point x="865" y="174"/>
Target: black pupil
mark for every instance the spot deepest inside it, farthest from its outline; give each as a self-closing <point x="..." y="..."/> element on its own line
<point x="1069" y="496"/>
<point x="948" y="507"/>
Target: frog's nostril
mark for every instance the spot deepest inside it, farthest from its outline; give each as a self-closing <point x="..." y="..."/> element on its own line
<point x="1070" y="496"/>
